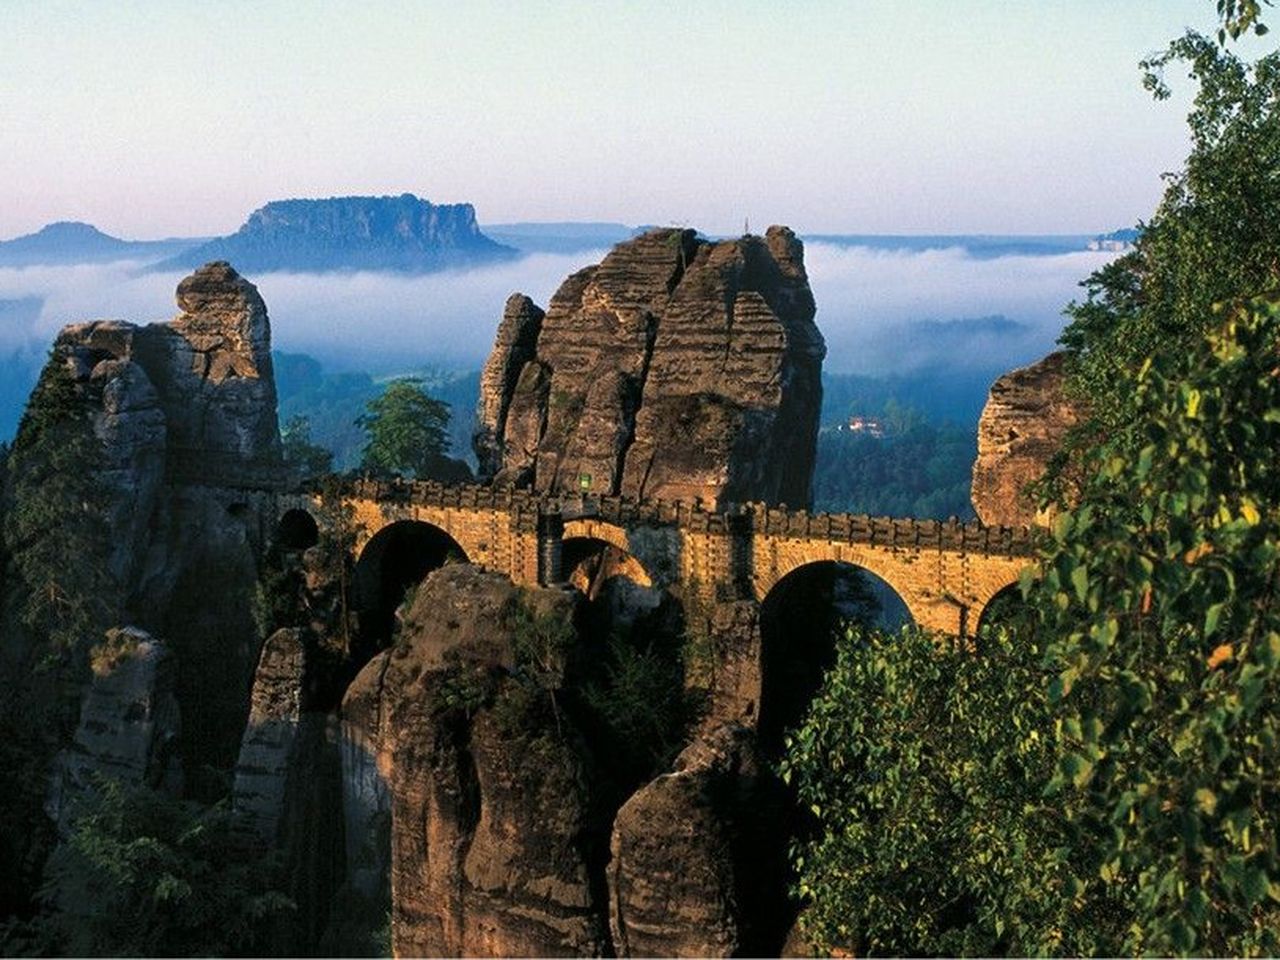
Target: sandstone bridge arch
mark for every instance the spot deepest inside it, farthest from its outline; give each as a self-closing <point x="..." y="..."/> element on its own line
<point x="389" y="564"/>
<point x="945" y="572"/>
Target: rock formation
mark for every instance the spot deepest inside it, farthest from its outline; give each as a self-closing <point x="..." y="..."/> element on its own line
<point x="186" y="413"/>
<point x="515" y="346"/>
<point x="489" y="796"/>
<point x="275" y="712"/>
<point x="129" y="722"/>
<point x="676" y="368"/>
<point x="1023" y="424"/>
<point x="403" y="233"/>
<point x="685" y="864"/>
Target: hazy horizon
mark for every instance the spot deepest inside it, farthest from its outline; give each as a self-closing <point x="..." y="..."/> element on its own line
<point x="871" y="304"/>
<point x="178" y="120"/>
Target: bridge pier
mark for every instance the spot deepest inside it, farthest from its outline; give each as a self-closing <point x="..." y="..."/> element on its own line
<point x="550" y="549"/>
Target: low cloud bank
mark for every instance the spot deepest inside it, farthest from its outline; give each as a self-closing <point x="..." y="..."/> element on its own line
<point x="880" y="310"/>
<point x="885" y="311"/>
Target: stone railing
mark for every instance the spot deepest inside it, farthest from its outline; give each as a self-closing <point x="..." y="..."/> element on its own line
<point x="759" y="519"/>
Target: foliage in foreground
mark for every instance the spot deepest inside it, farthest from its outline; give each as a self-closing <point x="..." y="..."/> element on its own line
<point x="924" y="766"/>
<point x="1160" y="593"/>
<point x="1103" y="782"/>
<point x="1213" y="238"/>
<point x="144" y="874"/>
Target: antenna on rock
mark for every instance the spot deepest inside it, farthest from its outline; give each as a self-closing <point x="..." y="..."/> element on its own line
<point x="746" y="226"/>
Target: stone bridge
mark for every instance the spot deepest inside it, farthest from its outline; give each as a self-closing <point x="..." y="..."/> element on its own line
<point x="945" y="572"/>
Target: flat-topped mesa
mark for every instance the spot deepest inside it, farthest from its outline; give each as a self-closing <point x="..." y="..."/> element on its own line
<point x="404" y="233"/>
<point x="677" y="368"/>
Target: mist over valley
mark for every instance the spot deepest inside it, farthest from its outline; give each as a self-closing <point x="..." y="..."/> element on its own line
<point x="910" y="310"/>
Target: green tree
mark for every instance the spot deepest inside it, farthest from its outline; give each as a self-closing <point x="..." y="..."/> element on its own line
<point x="306" y="459"/>
<point x="58" y="599"/>
<point x="53" y="525"/>
<point x="144" y="874"/>
<point x="1159" y="595"/>
<point x="407" y="430"/>
<point x="1214" y="237"/>
<point x="924" y="766"/>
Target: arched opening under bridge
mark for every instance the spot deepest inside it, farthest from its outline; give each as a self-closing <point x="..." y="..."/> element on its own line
<point x="615" y="583"/>
<point x="1007" y="609"/>
<point x="801" y="619"/>
<point x="397" y="558"/>
<point x="297" y="530"/>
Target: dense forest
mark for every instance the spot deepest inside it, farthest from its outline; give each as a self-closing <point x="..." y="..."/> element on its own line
<point x="916" y="469"/>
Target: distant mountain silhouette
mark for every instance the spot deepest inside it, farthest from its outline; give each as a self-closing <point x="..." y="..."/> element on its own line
<point x="405" y="234"/>
<point x="73" y="242"/>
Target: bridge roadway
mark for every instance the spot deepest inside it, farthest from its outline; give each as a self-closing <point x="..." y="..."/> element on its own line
<point x="945" y="572"/>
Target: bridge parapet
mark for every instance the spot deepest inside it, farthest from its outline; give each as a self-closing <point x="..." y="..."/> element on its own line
<point x="946" y="571"/>
<point x="894" y="532"/>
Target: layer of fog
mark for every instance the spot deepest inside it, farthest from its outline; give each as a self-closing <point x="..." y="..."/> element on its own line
<point x="880" y="310"/>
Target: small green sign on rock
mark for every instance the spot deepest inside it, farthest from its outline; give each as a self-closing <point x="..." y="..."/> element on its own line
<point x="584" y="481"/>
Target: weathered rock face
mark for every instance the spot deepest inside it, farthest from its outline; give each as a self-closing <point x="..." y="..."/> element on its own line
<point x="515" y="346"/>
<point x="1023" y="424"/>
<point x="488" y="801"/>
<point x="275" y="712"/>
<point x="685" y="857"/>
<point x="186" y="412"/>
<point x="212" y="367"/>
<point x="675" y="368"/>
<point x="129" y="723"/>
<point x="288" y="783"/>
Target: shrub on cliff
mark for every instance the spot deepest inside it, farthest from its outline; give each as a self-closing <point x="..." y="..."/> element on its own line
<point x="58" y="599"/>
<point x="53" y="526"/>
<point x="144" y="874"/>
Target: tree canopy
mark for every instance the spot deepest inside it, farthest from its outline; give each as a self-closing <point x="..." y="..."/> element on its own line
<point x="1215" y="235"/>
<point x="1100" y="776"/>
<point x="407" y="430"/>
<point x="305" y="458"/>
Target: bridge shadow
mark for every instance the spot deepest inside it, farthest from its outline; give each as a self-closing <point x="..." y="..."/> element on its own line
<point x="1007" y="610"/>
<point x="395" y="560"/>
<point x="610" y="578"/>
<point x="801" y="620"/>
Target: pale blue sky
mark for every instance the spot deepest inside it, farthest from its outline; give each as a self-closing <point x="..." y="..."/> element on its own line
<point x="163" y="118"/>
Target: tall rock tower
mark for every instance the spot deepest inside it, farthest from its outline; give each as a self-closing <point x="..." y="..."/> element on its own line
<point x="676" y="368"/>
